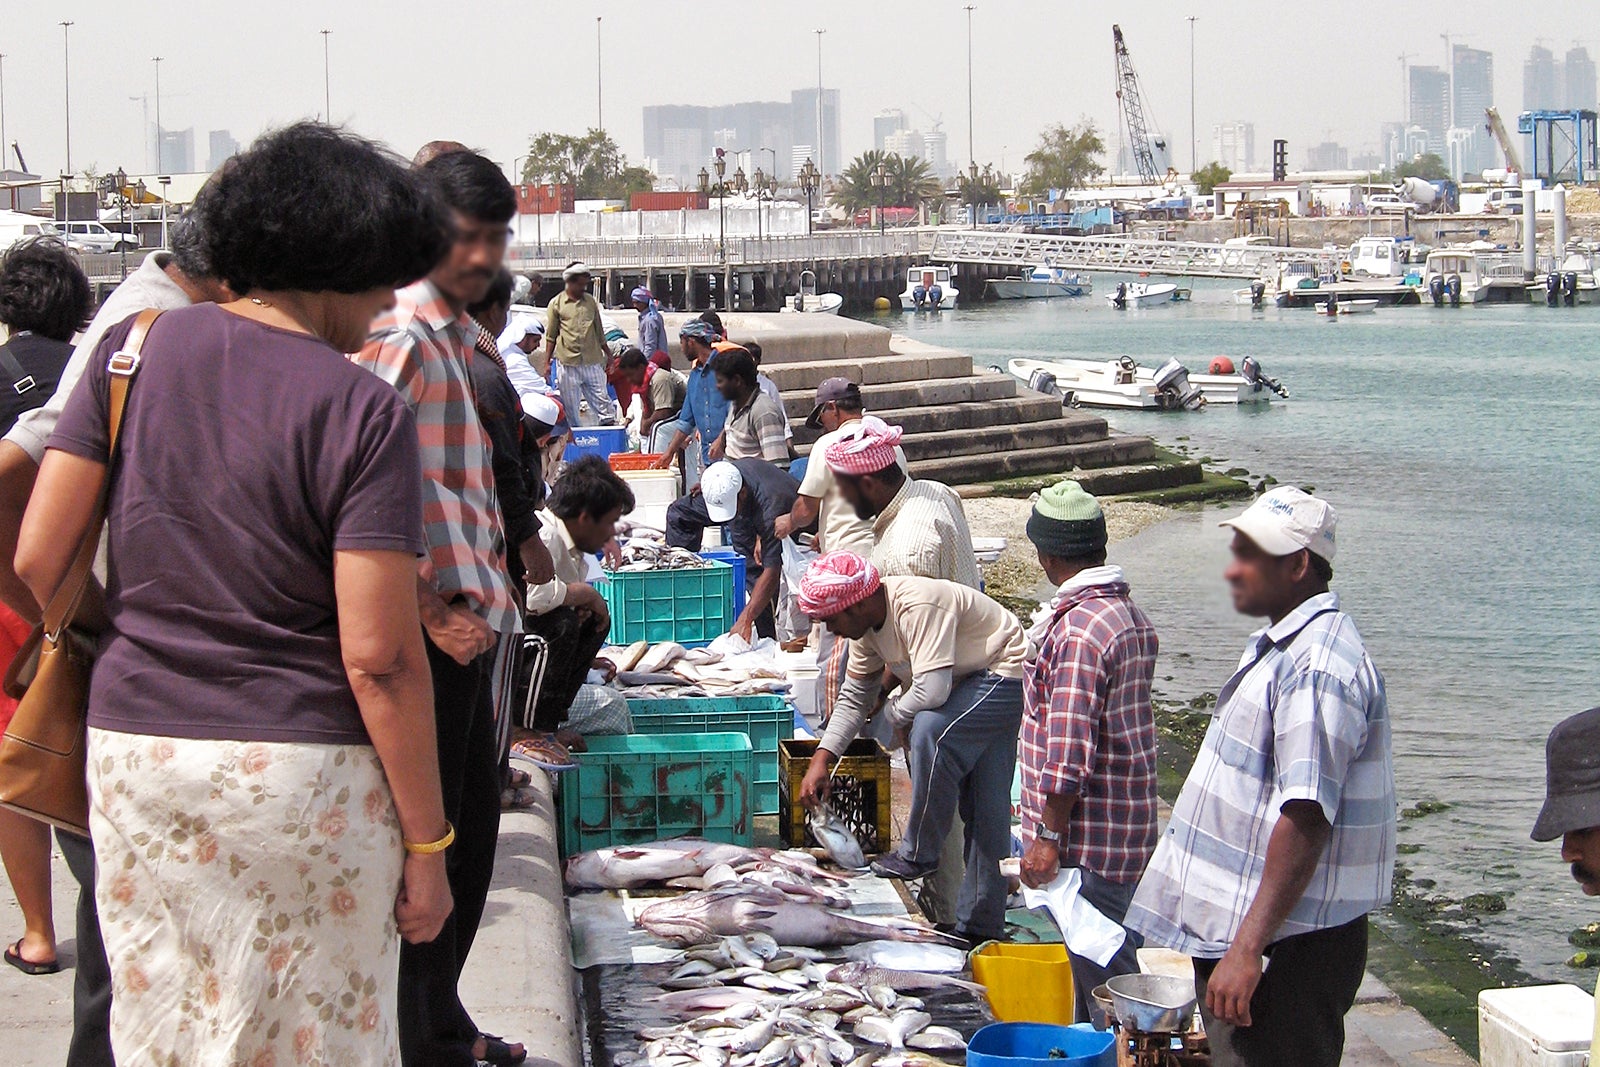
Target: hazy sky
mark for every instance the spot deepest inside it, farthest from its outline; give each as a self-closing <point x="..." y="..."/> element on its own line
<point x="490" y="73"/>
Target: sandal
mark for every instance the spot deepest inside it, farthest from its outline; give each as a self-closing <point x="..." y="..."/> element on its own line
<point x="498" y="1052"/>
<point x="13" y="956"/>
<point x="544" y="751"/>
<point x="518" y="798"/>
<point x="517" y="778"/>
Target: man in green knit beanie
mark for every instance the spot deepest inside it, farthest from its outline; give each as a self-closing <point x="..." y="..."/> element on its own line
<point x="1088" y="744"/>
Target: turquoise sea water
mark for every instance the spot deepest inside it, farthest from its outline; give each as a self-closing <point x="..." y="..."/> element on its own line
<point x="1459" y="448"/>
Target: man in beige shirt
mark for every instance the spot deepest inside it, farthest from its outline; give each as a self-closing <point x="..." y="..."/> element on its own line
<point x="574" y="336"/>
<point x="838" y="412"/>
<point x="961" y="658"/>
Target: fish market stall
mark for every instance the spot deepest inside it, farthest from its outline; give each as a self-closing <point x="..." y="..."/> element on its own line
<point x="696" y="953"/>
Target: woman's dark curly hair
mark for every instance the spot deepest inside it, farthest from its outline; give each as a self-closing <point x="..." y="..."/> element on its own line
<point x="315" y="209"/>
<point x="43" y="290"/>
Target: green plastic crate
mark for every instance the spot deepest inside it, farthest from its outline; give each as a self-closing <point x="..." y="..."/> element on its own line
<point x="692" y="607"/>
<point x="766" y="720"/>
<point x="643" y="787"/>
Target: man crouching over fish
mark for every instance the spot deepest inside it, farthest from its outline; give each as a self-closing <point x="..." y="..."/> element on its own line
<point x="960" y="656"/>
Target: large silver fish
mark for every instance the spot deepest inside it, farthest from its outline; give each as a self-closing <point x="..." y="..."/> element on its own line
<point x="632" y="866"/>
<point x="863" y="975"/>
<point x="836" y="839"/>
<point x="696" y="918"/>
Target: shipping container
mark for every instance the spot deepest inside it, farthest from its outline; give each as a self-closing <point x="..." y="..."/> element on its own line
<point x="693" y="200"/>
<point x="545" y="199"/>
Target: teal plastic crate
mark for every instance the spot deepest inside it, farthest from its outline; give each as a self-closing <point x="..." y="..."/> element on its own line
<point x="692" y="607"/>
<point x="765" y="720"/>
<point x="642" y="787"/>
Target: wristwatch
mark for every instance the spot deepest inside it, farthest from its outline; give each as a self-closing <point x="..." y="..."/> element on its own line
<point x="1044" y="833"/>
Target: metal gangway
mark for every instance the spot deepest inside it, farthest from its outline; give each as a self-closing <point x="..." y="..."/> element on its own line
<point x="648" y="251"/>
<point x="1123" y="255"/>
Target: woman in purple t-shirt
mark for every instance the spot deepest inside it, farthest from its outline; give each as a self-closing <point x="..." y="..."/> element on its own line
<point x="265" y="802"/>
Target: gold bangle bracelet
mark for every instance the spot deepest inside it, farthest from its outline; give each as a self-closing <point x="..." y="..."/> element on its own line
<point x="428" y="848"/>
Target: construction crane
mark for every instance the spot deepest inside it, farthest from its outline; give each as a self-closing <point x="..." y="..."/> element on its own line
<point x="1507" y="147"/>
<point x="1131" y="100"/>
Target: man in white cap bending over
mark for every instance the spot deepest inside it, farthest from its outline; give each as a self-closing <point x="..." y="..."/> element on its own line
<point x="1283" y="838"/>
<point x="576" y="338"/>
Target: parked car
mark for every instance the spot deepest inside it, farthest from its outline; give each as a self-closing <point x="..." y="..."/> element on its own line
<point x="1389" y="204"/>
<point x="1506" y="200"/>
<point x="95" y="237"/>
<point x="17" y="226"/>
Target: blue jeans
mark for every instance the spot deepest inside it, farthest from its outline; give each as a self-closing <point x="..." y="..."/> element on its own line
<point x="962" y="757"/>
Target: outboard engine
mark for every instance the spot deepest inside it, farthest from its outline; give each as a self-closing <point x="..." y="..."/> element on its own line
<point x="1436" y="290"/>
<point x="1042" y="381"/>
<point x="1176" y="391"/>
<point x="1250" y="371"/>
<point x="1258" y="294"/>
<point x="1120" y="300"/>
<point x="1452" y="289"/>
<point x="919" y="296"/>
<point x="1569" y="287"/>
<point x="1552" y="289"/>
<point x="935" y="297"/>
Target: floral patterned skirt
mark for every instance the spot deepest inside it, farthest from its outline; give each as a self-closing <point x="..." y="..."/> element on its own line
<point x="246" y="894"/>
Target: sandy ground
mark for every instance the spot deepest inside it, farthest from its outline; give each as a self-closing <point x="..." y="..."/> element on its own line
<point x="1017" y="574"/>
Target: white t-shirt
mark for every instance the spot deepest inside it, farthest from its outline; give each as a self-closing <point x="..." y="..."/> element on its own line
<point x="840" y="527"/>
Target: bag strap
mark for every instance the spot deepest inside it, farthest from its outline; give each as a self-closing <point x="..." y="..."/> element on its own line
<point x="123" y="365"/>
<point x="21" y="381"/>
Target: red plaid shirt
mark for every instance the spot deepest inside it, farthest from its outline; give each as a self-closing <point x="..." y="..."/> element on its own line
<point x="1087" y="729"/>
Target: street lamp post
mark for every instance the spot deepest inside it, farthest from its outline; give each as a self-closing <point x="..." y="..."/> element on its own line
<point x="761" y="188"/>
<point x="880" y="179"/>
<point x="721" y="165"/>
<point x="972" y="194"/>
<point x="66" y="92"/>
<point x="327" y="94"/>
<point x="122" y="217"/>
<point x="161" y="157"/>
<point x="166" y="189"/>
<point x="5" y="146"/>
<point x="810" y="178"/>
<point x="1194" y="160"/>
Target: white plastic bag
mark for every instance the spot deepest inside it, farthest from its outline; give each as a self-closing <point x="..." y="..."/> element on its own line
<point x="1086" y="930"/>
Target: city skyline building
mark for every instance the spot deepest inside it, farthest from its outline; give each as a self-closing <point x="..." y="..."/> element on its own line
<point x="886" y="124"/>
<point x="1539" y="79"/>
<point x="1472" y="94"/>
<point x="1430" y="91"/>
<point x="1578" y="80"/>
<point x="680" y="139"/>
<point x="223" y="145"/>
<point x="1233" y="144"/>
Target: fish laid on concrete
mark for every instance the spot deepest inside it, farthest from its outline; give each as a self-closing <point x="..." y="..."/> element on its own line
<point x="696" y="918"/>
<point x="632" y="866"/>
<point x="867" y="974"/>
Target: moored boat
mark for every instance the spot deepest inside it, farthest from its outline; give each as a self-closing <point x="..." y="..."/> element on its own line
<point x="929" y="288"/>
<point x="1335" y="308"/>
<point x="1141" y="295"/>
<point x="810" y="302"/>
<point x="1041" y="283"/>
<point x="1123" y="383"/>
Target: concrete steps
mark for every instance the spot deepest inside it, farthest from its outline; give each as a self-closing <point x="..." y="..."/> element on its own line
<point x="1012" y="411"/>
<point x="1118" y="450"/>
<point x="808" y="374"/>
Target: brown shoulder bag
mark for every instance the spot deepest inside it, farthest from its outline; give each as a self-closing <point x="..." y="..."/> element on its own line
<point x="44" y="753"/>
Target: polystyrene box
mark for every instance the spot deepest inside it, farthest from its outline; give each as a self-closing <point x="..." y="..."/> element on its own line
<point x="1535" y="1026"/>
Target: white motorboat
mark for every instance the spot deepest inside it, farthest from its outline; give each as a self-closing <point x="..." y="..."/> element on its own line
<point x="1472" y="275"/>
<point x="1256" y="296"/>
<point x="1122" y="383"/>
<point x="1572" y="283"/>
<point x="1141" y="295"/>
<point x="1340" y="308"/>
<point x="929" y="288"/>
<point x="810" y="302"/>
<point x="1041" y="283"/>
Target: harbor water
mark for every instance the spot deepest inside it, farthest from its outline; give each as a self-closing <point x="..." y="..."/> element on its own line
<point x="1459" y="448"/>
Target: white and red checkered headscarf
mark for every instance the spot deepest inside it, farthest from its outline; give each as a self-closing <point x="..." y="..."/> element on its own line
<point x="836" y="581"/>
<point x="868" y="450"/>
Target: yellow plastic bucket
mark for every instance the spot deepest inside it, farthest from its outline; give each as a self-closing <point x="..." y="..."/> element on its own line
<point x="1026" y="983"/>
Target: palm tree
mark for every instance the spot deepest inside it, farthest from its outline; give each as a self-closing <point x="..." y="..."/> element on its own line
<point x="907" y="182"/>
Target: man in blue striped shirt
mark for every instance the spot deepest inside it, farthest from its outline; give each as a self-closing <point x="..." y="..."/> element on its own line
<point x="1283" y="838"/>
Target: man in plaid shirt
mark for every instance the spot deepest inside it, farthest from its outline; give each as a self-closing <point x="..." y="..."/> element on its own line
<point x="1088" y="744"/>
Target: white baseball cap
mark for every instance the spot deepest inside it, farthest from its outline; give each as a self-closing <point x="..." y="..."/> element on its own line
<point x="1286" y="520"/>
<point x="720" y="486"/>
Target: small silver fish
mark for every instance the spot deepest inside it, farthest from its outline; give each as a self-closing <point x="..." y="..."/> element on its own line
<point x="836" y="838"/>
<point x="867" y="974"/>
<point x="938" y="1039"/>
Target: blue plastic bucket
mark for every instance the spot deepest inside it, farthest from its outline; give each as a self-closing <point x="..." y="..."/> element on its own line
<point x="1031" y="1045"/>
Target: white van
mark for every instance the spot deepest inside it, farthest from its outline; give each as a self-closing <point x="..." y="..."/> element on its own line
<point x="95" y="237"/>
<point x="16" y="226"/>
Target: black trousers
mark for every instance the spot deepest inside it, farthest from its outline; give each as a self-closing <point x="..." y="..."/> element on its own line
<point x="435" y="1028"/>
<point x="687" y="520"/>
<point x="91" y="980"/>
<point x="574" y="641"/>
<point x="1297" y="1013"/>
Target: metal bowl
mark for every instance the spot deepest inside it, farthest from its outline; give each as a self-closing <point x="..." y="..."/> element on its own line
<point x="1152" y="1003"/>
<point x="1101" y="1011"/>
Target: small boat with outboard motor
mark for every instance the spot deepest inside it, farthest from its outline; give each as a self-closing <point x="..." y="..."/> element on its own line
<point x="1041" y="283"/>
<point x="1141" y="295"/>
<point x="1123" y="383"/>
